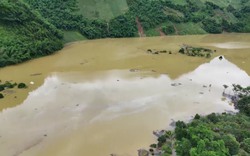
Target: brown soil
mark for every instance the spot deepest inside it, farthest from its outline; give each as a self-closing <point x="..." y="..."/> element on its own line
<point x="140" y="28"/>
<point x="161" y="32"/>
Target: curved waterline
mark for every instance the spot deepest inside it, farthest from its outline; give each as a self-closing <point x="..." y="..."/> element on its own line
<point x="114" y="112"/>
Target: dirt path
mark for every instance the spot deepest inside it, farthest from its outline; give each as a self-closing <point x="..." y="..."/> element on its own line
<point x="140" y="28"/>
<point x="161" y="32"/>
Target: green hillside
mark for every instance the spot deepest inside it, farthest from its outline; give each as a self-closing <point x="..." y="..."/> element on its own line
<point x="24" y="34"/>
<point x="102" y="9"/>
<point x="117" y="18"/>
<point x="32" y="28"/>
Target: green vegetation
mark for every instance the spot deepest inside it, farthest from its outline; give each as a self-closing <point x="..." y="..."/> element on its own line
<point x="33" y="28"/>
<point x="22" y="85"/>
<point x="196" y="51"/>
<point x="9" y="85"/>
<point x="24" y="34"/>
<point x="94" y="20"/>
<point x="1" y="96"/>
<point x="189" y="28"/>
<point x="72" y="36"/>
<point x="215" y="134"/>
<point x="169" y="29"/>
<point x="152" y="32"/>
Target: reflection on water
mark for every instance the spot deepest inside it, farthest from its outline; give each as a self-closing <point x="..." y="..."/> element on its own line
<point x="124" y="54"/>
<point x="115" y="112"/>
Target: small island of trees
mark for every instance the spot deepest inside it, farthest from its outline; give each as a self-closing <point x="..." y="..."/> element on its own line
<point x="8" y="85"/>
<point x="196" y="51"/>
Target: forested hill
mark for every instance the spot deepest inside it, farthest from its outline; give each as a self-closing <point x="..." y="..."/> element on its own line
<point x="121" y="18"/>
<point x="24" y="34"/>
<point x="33" y="28"/>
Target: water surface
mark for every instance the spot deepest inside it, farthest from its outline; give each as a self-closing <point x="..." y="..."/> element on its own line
<point x="87" y="100"/>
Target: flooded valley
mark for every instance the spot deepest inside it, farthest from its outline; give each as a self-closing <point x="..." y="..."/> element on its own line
<point x="108" y="96"/>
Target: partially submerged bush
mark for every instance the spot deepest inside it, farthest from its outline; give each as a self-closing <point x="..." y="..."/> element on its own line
<point x="7" y="84"/>
<point x="196" y="51"/>
<point x="21" y="85"/>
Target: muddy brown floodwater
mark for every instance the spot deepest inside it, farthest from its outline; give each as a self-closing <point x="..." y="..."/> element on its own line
<point x="107" y="96"/>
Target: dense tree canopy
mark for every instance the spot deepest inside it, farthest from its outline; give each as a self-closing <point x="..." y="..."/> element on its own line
<point x="212" y="135"/>
<point x="24" y="34"/>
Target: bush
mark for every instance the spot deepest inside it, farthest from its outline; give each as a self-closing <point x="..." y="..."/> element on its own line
<point x="166" y="149"/>
<point x="213" y="118"/>
<point x="21" y="85"/>
<point x="168" y="29"/>
<point x="1" y="96"/>
<point x="1" y="88"/>
<point x="197" y="116"/>
<point x="244" y="105"/>
<point x="182" y="51"/>
<point x="162" y="139"/>
<point x="153" y="145"/>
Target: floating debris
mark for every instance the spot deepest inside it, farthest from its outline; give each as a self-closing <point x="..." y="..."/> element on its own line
<point x="134" y="70"/>
<point x="36" y="74"/>
<point x="176" y="84"/>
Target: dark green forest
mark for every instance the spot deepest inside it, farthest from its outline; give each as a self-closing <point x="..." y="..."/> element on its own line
<point x="25" y="34"/>
<point x="34" y="28"/>
<point x="225" y="134"/>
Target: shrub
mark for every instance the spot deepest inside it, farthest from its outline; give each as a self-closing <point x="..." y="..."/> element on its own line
<point x="213" y="118"/>
<point x="1" y="96"/>
<point x="244" y="105"/>
<point x="182" y="51"/>
<point x="168" y="29"/>
<point x="1" y="88"/>
<point x="197" y="116"/>
<point x="21" y="85"/>
<point x="153" y="145"/>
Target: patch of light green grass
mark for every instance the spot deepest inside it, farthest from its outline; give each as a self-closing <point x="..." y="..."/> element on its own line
<point x="102" y="9"/>
<point x="72" y="36"/>
<point x="189" y="28"/>
<point x="152" y="32"/>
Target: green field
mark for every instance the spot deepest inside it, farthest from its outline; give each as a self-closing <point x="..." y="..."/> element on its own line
<point x="102" y="9"/>
<point x="189" y="28"/>
<point x="72" y="36"/>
